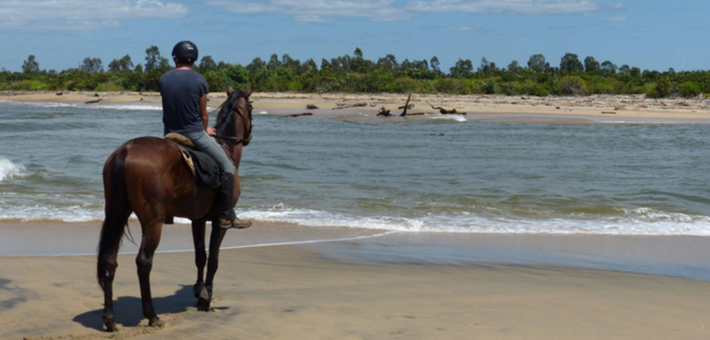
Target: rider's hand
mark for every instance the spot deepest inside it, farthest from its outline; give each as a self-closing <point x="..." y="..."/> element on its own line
<point x="211" y="131"/>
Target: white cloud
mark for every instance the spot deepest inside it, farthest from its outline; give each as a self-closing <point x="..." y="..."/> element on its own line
<point x="617" y="18"/>
<point x="528" y="7"/>
<point x="82" y="14"/>
<point x="470" y="30"/>
<point x="389" y="10"/>
<point x="319" y="10"/>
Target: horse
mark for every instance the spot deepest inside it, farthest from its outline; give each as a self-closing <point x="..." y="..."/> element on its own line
<point x="147" y="176"/>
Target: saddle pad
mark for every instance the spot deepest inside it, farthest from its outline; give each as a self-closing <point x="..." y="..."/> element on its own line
<point x="203" y="167"/>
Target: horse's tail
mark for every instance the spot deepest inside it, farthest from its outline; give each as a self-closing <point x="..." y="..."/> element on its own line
<point x="117" y="212"/>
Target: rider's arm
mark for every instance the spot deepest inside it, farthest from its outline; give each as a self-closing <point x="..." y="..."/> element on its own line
<point x="205" y="116"/>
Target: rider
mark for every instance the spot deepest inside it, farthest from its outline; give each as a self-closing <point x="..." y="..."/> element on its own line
<point x="184" y="93"/>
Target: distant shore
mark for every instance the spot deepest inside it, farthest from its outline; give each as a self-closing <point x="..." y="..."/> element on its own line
<point x="637" y="107"/>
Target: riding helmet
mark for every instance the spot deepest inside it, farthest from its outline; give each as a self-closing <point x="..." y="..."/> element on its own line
<point x="185" y="51"/>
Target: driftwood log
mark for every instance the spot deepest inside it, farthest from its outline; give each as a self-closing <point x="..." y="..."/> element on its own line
<point x="343" y="106"/>
<point x="94" y="101"/>
<point x="384" y="112"/>
<point x="410" y="106"/>
<point x="445" y="111"/>
<point x="311" y="107"/>
<point x="406" y="105"/>
<point x="300" y="114"/>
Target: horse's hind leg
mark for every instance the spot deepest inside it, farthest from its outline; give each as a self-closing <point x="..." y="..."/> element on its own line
<point x="213" y="263"/>
<point x="110" y="263"/>
<point x="144" y="261"/>
<point x="198" y="237"/>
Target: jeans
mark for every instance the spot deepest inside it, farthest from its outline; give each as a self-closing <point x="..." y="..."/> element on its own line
<point x="206" y="144"/>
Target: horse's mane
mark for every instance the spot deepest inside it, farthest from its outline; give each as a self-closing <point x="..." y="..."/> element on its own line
<point x="225" y="117"/>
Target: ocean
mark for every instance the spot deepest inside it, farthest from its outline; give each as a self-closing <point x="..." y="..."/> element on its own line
<point x="431" y="175"/>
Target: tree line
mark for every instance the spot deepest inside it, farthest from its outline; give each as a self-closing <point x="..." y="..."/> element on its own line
<point x="355" y="74"/>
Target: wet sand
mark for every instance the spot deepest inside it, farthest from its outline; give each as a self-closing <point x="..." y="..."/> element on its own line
<point x="400" y="286"/>
<point x="491" y="107"/>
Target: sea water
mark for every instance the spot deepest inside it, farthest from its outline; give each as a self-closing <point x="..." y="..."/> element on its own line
<point x="638" y="178"/>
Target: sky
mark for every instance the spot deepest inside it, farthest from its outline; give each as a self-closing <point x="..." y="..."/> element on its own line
<point x="650" y="34"/>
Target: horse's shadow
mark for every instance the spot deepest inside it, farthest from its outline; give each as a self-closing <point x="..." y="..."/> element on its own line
<point x="129" y="311"/>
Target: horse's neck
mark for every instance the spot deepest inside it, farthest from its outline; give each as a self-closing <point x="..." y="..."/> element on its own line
<point x="235" y="151"/>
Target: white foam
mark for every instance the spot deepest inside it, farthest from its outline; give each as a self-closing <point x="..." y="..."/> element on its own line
<point x="9" y="170"/>
<point x="642" y="221"/>
<point x="637" y="222"/>
<point x="28" y="213"/>
<point x="458" y="118"/>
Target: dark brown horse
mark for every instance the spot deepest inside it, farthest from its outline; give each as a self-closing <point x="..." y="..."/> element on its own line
<point x="147" y="176"/>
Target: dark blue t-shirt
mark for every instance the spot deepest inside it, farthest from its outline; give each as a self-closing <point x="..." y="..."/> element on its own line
<point x="181" y="91"/>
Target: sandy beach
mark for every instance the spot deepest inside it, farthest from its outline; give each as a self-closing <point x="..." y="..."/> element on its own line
<point x="500" y="107"/>
<point x="400" y="289"/>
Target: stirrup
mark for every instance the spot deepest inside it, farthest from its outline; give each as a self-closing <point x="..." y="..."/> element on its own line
<point x="236" y="224"/>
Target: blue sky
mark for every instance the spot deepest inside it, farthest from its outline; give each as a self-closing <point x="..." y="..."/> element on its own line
<point x="650" y="34"/>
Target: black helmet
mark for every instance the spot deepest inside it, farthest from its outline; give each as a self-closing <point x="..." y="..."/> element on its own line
<point x="185" y="51"/>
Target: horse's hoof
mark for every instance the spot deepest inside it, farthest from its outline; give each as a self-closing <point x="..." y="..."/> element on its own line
<point x="110" y="323"/>
<point x="198" y="288"/>
<point x="111" y="327"/>
<point x="155" y="322"/>
<point x="203" y="304"/>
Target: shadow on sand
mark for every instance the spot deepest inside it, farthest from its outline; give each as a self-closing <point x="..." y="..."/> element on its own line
<point x="129" y="311"/>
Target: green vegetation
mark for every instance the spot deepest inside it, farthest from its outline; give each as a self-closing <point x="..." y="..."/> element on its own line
<point x="355" y="74"/>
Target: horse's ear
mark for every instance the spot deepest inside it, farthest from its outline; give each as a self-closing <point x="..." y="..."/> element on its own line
<point x="230" y="90"/>
<point x="249" y="90"/>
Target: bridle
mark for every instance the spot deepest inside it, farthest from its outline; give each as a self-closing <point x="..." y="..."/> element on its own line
<point x="247" y="128"/>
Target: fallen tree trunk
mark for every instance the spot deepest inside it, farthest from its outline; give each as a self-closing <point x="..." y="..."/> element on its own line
<point x="406" y="105"/>
<point x="94" y="101"/>
<point x="443" y="110"/>
<point x="300" y="114"/>
<point x="384" y="112"/>
<point x="343" y="106"/>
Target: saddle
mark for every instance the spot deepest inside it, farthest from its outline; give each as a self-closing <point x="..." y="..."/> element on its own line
<point x="203" y="167"/>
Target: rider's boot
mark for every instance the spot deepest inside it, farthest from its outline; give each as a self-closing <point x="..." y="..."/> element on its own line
<point x="227" y="218"/>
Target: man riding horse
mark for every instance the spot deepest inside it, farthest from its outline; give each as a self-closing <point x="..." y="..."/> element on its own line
<point x="184" y="93"/>
<point x="156" y="179"/>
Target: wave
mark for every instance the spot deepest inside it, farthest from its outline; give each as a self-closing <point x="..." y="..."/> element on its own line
<point x="457" y="118"/>
<point x="9" y="170"/>
<point x="641" y="221"/>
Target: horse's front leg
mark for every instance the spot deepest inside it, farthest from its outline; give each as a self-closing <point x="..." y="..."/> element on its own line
<point x="198" y="237"/>
<point x="213" y="263"/>
<point x="144" y="261"/>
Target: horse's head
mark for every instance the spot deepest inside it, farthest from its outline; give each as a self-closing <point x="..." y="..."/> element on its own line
<point x="234" y="121"/>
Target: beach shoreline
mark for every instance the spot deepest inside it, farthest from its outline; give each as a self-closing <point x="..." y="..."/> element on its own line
<point x="673" y="256"/>
<point x="330" y="105"/>
<point x="339" y="290"/>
